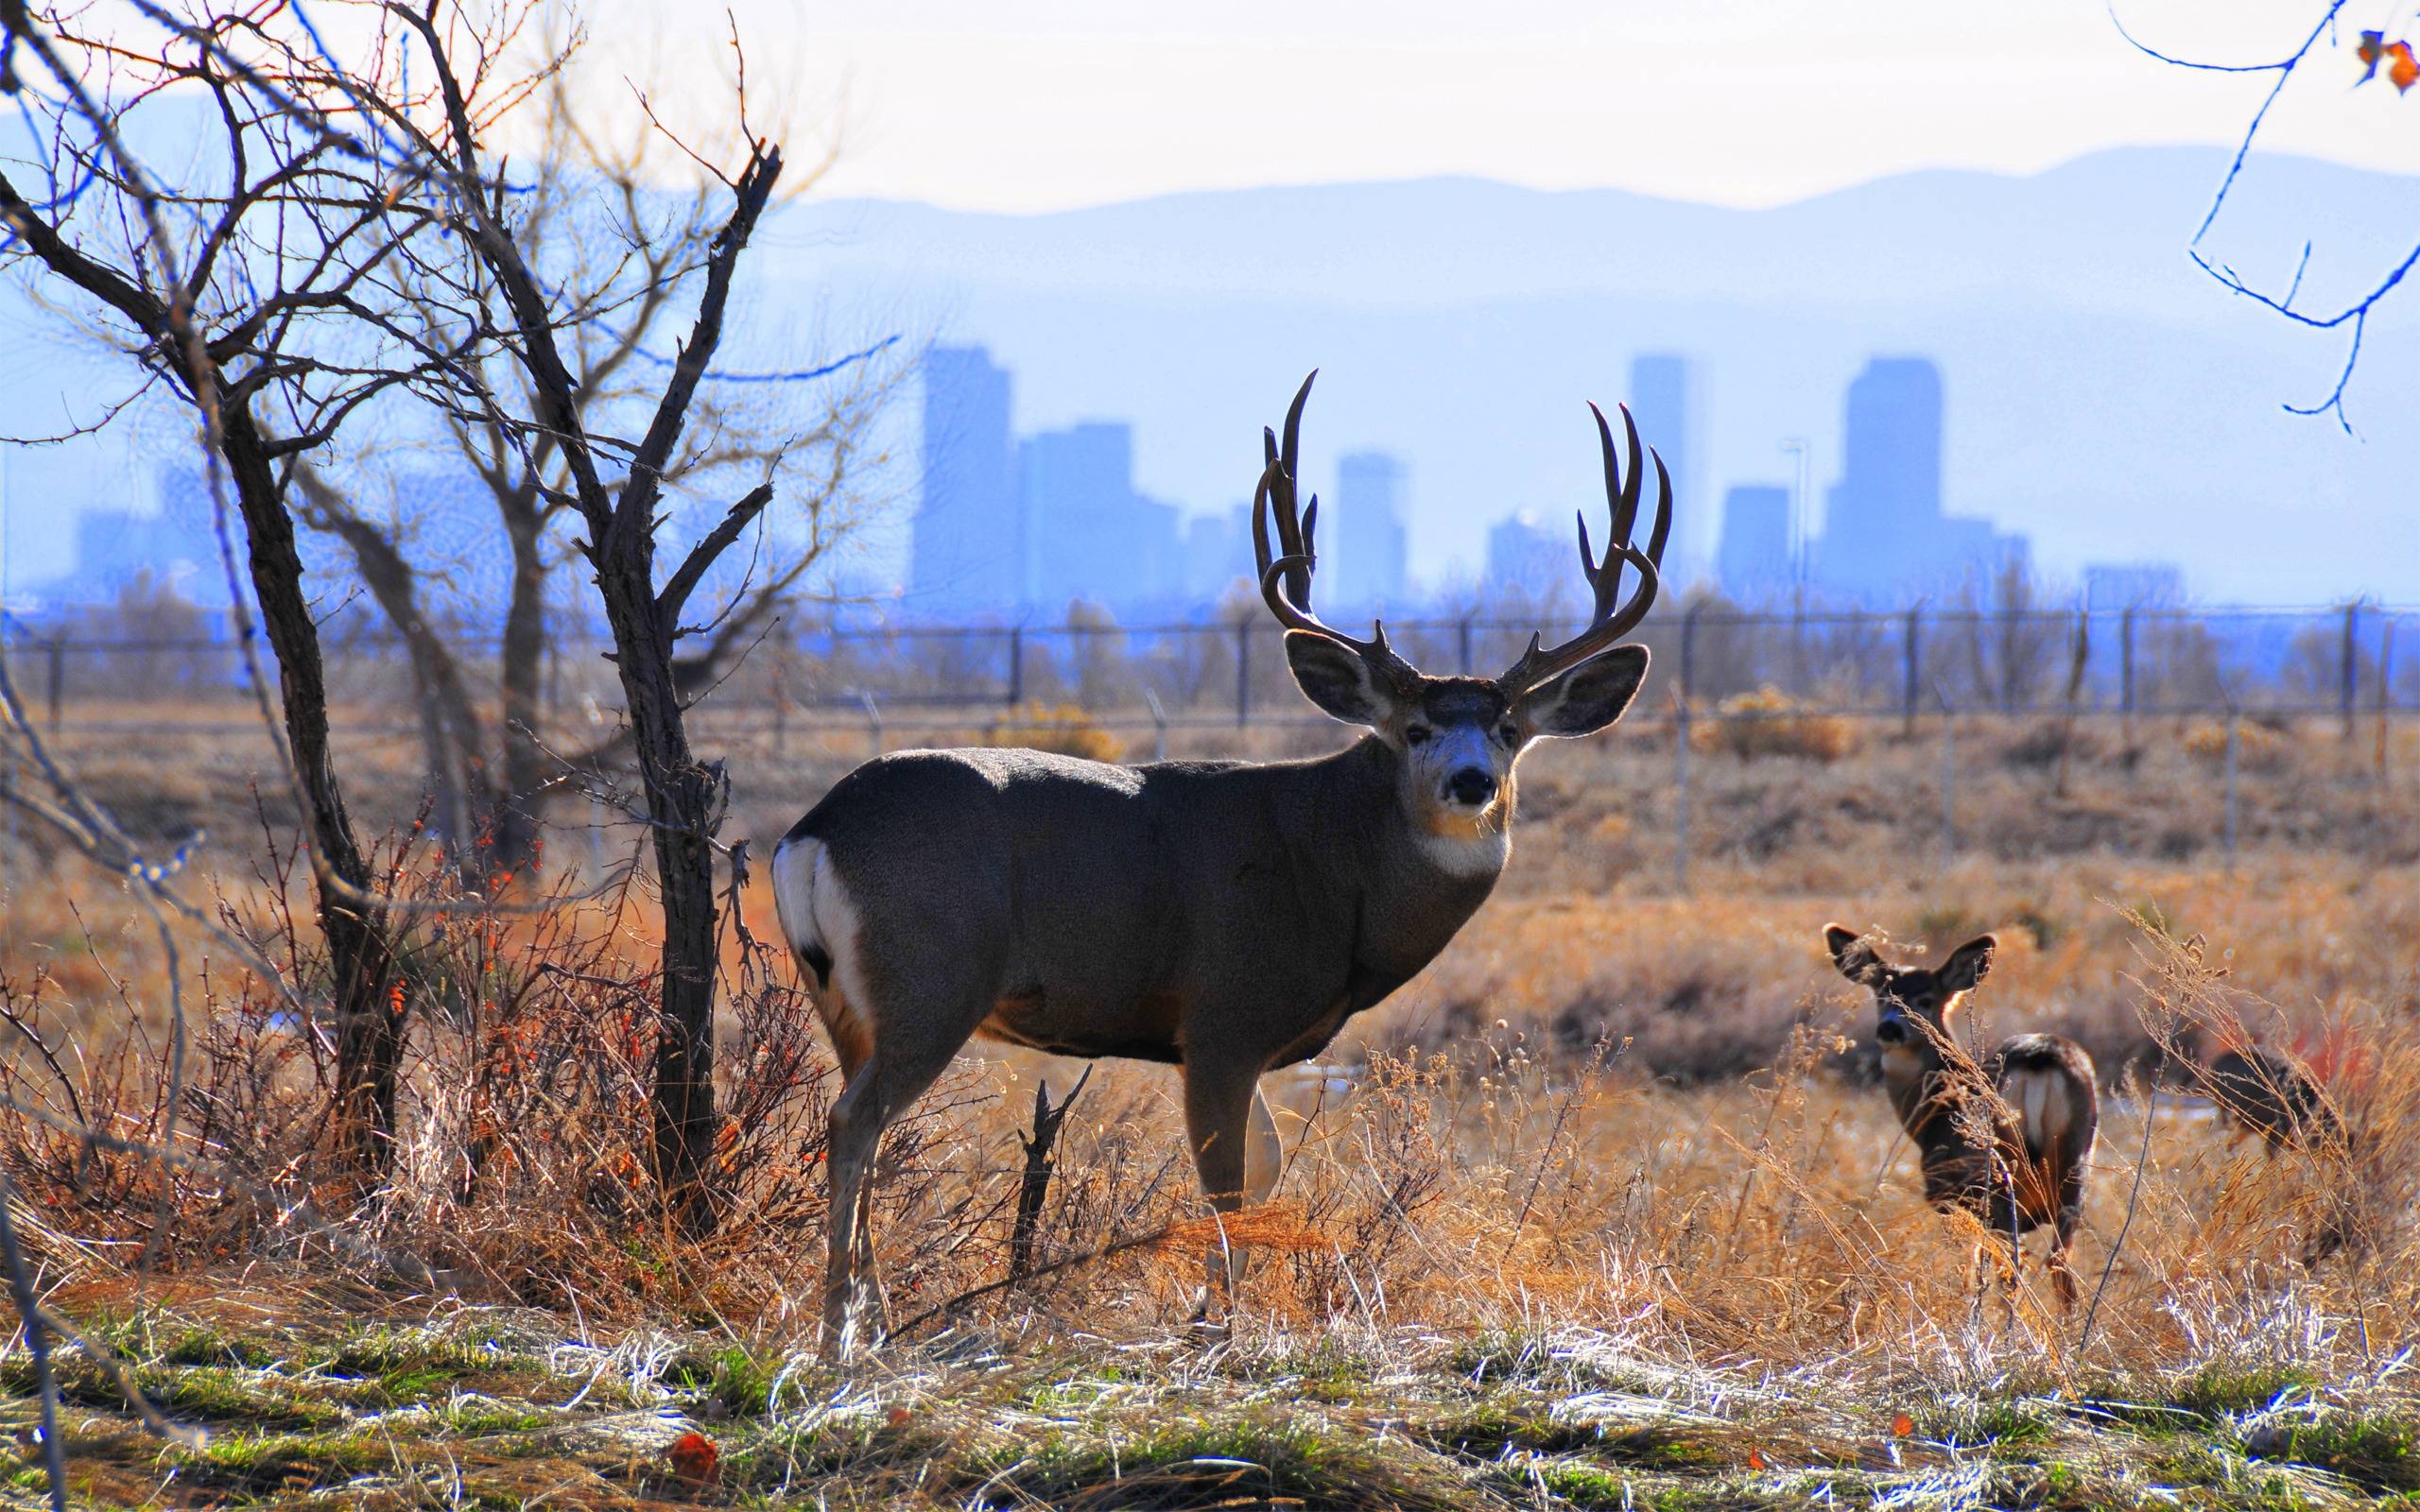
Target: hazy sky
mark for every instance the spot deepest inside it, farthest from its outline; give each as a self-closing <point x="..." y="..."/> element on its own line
<point x="1045" y="104"/>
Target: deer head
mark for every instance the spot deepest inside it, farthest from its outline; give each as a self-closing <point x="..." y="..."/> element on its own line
<point x="1460" y="737"/>
<point x="1912" y="1004"/>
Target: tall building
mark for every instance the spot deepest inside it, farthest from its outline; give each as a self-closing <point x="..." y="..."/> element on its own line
<point x="1659" y="401"/>
<point x="1525" y="559"/>
<point x="1753" y="562"/>
<point x="1885" y="540"/>
<point x="1217" y="553"/>
<point x="1370" y="544"/>
<point x="1089" y="535"/>
<point x="968" y="555"/>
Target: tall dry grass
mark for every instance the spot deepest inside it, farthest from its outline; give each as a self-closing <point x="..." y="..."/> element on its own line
<point x="1614" y="1104"/>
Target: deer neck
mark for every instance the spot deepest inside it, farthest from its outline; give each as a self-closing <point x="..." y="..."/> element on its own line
<point x="1398" y="853"/>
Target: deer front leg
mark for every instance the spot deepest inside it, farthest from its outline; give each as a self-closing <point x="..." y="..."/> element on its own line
<point x="1218" y="1115"/>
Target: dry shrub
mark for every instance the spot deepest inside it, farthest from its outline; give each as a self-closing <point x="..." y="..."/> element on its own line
<point x="2258" y="748"/>
<point x="1768" y="722"/>
<point x="1063" y="728"/>
<point x="523" y="1166"/>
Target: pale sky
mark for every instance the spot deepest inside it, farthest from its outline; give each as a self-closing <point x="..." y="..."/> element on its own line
<point x="1034" y="105"/>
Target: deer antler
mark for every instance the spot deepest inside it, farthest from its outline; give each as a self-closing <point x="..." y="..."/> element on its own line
<point x="1285" y="577"/>
<point x="1610" y="618"/>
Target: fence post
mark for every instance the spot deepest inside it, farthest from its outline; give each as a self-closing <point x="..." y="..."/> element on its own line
<point x="1948" y="780"/>
<point x="1689" y="651"/>
<point x="1016" y="666"/>
<point x="1912" y="647"/>
<point x="1159" y="725"/>
<point x="2350" y="669"/>
<point x="1243" y="673"/>
<point x="2227" y="837"/>
<point x="873" y="720"/>
<point x="56" y="676"/>
<point x="1463" y="635"/>
<point x="1680" y="778"/>
<point x="2386" y="695"/>
<point x="2126" y="669"/>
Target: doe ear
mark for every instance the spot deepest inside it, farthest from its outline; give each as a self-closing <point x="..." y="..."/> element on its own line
<point x="1335" y="678"/>
<point x="1853" y="956"/>
<point x="1968" y="964"/>
<point x="1587" y="698"/>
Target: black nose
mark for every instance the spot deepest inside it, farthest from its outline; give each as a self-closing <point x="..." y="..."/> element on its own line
<point x="1891" y="1031"/>
<point x="1473" y="785"/>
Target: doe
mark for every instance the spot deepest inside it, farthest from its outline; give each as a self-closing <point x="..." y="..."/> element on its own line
<point x="2007" y="1139"/>
<point x="1223" y="917"/>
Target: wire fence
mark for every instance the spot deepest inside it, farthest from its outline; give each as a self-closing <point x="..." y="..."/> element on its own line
<point x="94" y="666"/>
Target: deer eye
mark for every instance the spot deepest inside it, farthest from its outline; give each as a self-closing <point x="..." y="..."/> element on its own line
<point x="1510" y="735"/>
<point x="1417" y="734"/>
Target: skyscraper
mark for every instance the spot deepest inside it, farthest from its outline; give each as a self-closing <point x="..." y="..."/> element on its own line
<point x="1524" y="559"/>
<point x="1217" y="553"/>
<point x="1089" y="535"/>
<point x="1369" y="542"/>
<point x="1659" y="401"/>
<point x="1753" y="560"/>
<point x="969" y="550"/>
<point x="1885" y="538"/>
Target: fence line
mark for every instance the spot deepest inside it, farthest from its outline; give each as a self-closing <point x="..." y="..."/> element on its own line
<point x="2341" y="661"/>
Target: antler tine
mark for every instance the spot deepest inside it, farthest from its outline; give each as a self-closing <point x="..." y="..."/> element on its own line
<point x="1285" y="572"/>
<point x="1610" y="618"/>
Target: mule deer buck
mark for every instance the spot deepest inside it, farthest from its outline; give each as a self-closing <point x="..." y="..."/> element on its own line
<point x="2007" y="1139"/>
<point x="1226" y="917"/>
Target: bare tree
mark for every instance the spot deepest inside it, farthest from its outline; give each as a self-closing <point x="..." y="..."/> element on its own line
<point x="604" y="240"/>
<point x="258" y="294"/>
<point x="2350" y="318"/>
<point x="613" y="486"/>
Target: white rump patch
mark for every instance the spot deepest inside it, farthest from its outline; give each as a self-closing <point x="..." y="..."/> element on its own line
<point x="816" y="910"/>
<point x="2041" y="1101"/>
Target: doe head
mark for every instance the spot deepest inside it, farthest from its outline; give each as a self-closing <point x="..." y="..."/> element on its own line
<point x="1460" y="737"/>
<point x="1912" y="1004"/>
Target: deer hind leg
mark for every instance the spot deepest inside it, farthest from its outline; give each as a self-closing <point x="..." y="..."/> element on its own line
<point x="856" y="1132"/>
<point x="1264" y="1156"/>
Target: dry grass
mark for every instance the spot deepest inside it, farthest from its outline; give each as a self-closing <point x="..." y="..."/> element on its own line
<point x="1603" y="1209"/>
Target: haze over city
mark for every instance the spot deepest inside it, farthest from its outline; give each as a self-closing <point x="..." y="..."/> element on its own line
<point x="1466" y="275"/>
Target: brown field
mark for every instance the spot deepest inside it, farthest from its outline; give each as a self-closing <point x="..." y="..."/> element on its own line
<point x="1604" y="1208"/>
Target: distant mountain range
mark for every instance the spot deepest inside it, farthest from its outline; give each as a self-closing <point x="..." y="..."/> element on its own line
<point x="2103" y="394"/>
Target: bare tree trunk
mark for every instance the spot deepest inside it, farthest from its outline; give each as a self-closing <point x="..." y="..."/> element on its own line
<point x="450" y="726"/>
<point x="370" y="1020"/>
<point x="522" y="654"/>
<point x="680" y="799"/>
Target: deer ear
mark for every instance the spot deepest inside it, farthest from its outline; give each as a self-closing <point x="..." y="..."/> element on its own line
<point x="1968" y="964"/>
<point x="1587" y="698"/>
<point x="1853" y="956"/>
<point x="1335" y="678"/>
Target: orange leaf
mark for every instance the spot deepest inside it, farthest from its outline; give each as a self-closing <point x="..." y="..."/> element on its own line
<point x="2403" y="72"/>
<point x="695" y="1458"/>
<point x="1903" y="1425"/>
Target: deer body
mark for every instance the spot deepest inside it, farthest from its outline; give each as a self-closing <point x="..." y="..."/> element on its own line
<point x="2007" y="1139"/>
<point x="1223" y="917"/>
<point x="1220" y="913"/>
<point x="2261" y="1092"/>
